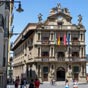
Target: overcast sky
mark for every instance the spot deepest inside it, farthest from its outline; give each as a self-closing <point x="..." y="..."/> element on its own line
<point x="33" y="7"/>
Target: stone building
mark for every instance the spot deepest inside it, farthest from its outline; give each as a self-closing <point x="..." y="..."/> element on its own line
<point x="53" y="49"/>
<point x="6" y="17"/>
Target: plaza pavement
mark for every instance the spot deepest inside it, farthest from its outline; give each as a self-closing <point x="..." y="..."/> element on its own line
<point x="56" y="85"/>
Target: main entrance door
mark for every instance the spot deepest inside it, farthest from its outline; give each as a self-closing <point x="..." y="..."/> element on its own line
<point x="45" y="73"/>
<point x="60" y="74"/>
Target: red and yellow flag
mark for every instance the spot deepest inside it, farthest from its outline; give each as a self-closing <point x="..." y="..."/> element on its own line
<point x="58" y="40"/>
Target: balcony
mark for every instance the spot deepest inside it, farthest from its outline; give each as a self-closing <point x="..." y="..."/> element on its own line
<point x="77" y="59"/>
<point x="45" y="42"/>
<point x="75" y="43"/>
<point x="60" y="59"/>
<point x="62" y="27"/>
<point x="42" y="59"/>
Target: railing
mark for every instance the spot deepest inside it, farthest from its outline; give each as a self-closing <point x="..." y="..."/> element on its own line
<point x="45" y="42"/>
<point x="62" y="27"/>
<point x="59" y="59"/>
<point x="75" y="43"/>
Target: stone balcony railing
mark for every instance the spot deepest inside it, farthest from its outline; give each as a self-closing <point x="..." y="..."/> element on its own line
<point x="62" y="27"/>
<point x="59" y="59"/>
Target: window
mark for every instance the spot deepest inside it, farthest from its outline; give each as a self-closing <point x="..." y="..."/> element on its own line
<point x="69" y="66"/>
<point x="38" y="36"/>
<point x="75" y="54"/>
<point x="81" y="37"/>
<point x="51" y="52"/>
<point x="38" y="51"/>
<point x="75" y="39"/>
<point x="83" y="70"/>
<point x="82" y="52"/>
<point x="51" y="36"/>
<point x="61" y="54"/>
<point x="45" y="69"/>
<point x="45" y="38"/>
<point x="75" y="69"/>
<point x="45" y="54"/>
<point x="1" y="20"/>
<point x="38" y="70"/>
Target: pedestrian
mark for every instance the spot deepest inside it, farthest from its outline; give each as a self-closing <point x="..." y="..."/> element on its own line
<point x="31" y="85"/>
<point x="22" y="83"/>
<point x="37" y="83"/>
<point x="17" y="82"/>
<point x="66" y="84"/>
<point x="75" y="83"/>
<point x="25" y="83"/>
<point x="52" y="81"/>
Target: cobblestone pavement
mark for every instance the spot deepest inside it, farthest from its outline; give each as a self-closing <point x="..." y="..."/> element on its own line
<point x="56" y="85"/>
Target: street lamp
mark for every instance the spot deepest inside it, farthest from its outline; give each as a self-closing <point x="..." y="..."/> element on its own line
<point x="19" y="9"/>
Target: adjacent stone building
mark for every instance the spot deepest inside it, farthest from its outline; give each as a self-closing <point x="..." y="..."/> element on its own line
<point x="5" y="23"/>
<point x="53" y="49"/>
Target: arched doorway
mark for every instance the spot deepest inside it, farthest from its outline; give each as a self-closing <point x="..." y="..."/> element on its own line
<point x="60" y="74"/>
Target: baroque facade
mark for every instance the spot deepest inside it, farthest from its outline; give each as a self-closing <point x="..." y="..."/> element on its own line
<point x="53" y="49"/>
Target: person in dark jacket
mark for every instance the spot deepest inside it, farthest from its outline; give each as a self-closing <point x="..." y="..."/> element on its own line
<point x="31" y="84"/>
<point x="22" y="83"/>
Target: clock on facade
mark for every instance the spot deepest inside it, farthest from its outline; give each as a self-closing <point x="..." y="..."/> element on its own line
<point x="60" y="18"/>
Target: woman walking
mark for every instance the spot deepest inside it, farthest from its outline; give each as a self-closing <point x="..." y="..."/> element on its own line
<point x="66" y="84"/>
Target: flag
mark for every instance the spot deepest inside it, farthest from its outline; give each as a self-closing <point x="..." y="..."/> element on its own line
<point x="58" y="40"/>
<point x="64" y="38"/>
<point x="68" y="38"/>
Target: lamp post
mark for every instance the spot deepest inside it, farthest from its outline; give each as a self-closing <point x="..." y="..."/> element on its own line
<point x="19" y="9"/>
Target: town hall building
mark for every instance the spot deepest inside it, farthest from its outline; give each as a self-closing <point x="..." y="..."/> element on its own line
<point x="51" y="49"/>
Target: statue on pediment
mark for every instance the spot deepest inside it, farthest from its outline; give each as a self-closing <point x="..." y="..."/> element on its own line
<point x="58" y="5"/>
<point x="79" y="19"/>
<point x="40" y="17"/>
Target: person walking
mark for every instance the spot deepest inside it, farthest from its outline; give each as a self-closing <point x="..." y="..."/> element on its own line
<point x="22" y="83"/>
<point x="66" y="84"/>
<point x="75" y="83"/>
<point x="37" y="83"/>
<point x="31" y="85"/>
<point x="17" y="82"/>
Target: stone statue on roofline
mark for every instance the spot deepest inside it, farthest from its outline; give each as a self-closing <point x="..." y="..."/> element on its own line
<point x="40" y="17"/>
<point x="79" y="19"/>
<point x="58" y="5"/>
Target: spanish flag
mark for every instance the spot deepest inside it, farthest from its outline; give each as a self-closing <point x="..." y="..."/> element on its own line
<point x="58" y="40"/>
